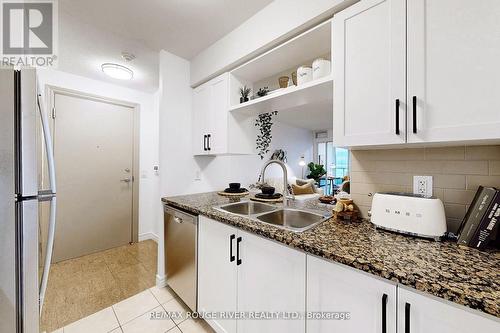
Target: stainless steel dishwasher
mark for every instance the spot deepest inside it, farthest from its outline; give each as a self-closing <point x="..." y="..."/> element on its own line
<point x="181" y="252"/>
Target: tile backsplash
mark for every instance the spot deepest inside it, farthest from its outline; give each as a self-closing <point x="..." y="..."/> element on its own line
<point x="456" y="171"/>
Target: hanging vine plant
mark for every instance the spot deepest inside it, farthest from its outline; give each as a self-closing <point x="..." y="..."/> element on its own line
<point x="264" y="123"/>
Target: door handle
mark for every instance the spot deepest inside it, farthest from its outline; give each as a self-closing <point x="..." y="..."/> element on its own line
<point x="178" y="219"/>
<point x="384" y="313"/>
<point x="414" y="105"/>
<point x="238" y="259"/>
<point x="407" y="317"/>
<point x="126" y="180"/>
<point x="205" y="142"/>
<point x="397" y="116"/>
<point x="208" y="141"/>
<point x="231" y="257"/>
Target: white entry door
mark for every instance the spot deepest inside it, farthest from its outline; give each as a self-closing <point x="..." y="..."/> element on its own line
<point x="93" y="147"/>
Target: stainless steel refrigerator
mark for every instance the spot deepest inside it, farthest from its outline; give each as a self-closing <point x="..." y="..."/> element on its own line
<point x="25" y="142"/>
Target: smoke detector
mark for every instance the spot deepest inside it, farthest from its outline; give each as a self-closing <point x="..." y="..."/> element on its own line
<point x="128" y="56"/>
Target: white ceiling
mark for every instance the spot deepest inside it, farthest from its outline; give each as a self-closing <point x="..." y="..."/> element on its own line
<point x="92" y="32"/>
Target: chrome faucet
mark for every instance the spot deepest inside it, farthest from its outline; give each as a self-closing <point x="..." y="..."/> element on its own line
<point x="285" y="179"/>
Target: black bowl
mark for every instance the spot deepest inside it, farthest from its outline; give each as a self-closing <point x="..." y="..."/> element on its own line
<point x="268" y="190"/>
<point x="234" y="186"/>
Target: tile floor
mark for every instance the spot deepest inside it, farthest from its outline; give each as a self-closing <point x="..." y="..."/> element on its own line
<point x="84" y="286"/>
<point x="135" y="315"/>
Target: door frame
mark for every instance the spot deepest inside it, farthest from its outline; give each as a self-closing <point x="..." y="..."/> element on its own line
<point x="50" y="93"/>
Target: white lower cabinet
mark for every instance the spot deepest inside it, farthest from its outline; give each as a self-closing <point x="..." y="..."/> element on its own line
<point x="271" y="278"/>
<point x="217" y="274"/>
<point x="369" y="301"/>
<point x="242" y="273"/>
<point x="424" y="314"/>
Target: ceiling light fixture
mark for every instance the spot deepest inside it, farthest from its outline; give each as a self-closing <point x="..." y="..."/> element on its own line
<point x="117" y="71"/>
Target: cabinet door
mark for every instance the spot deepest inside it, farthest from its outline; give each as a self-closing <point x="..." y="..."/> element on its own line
<point x="200" y="115"/>
<point x="271" y="278"/>
<point x="219" y="108"/>
<point x="453" y="70"/>
<point x="426" y="314"/>
<point x="334" y="288"/>
<point x="369" y="73"/>
<point x="216" y="272"/>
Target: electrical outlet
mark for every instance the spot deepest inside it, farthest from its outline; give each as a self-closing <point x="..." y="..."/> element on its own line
<point x="422" y="185"/>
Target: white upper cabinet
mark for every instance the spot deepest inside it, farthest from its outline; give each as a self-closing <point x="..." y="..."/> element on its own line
<point x="370" y="302"/>
<point x="369" y="73"/>
<point x="453" y="70"/>
<point x="425" y="314"/>
<point x="439" y="58"/>
<point x="215" y="130"/>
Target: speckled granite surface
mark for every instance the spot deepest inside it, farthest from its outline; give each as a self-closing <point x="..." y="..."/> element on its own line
<point x="443" y="269"/>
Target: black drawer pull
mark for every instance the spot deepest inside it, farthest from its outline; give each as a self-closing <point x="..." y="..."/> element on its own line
<point x="205" y="142"/>
<point x="231" y="257"/>
<point x="414" y="104"/>
<point x="238" y="260"/>
<point x="397" y="116"/>
<point x="407" y="318"/>
<point x="208" y="140"/>
<point x="384" y="313"/>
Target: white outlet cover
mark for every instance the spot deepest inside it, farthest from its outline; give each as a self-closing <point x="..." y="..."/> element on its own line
<point x="422" y="185"/>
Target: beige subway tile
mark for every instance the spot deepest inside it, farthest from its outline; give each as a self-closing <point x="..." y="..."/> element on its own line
<point x="403" y="154"/>
<point x="362" y="199"/>
<point x="445" y="153"/>
<point x="426" y="167"/>
<point x="438" y="193"/>
<point x="360" y="188"/>
<point x="473" y="182"/>
<point x="463" y="197"/>
<point x="449" y="181"/>
<point x="482" y="153"/>
<point x="364" y="210"/>
<point x="453" y="224"/>
<point x="465" y="167"/>
<point x="454" y="211"/>
<point x="388" y="178"/>
<point x="494" y="168"/>
<point x="362" y="165"/>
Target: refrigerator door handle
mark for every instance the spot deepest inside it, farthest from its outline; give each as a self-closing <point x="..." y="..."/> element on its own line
<point x="53" y="201"/>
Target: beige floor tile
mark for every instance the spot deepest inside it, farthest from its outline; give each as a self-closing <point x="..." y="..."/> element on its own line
<point x="175" y="330"/>
<point x="176" y="309"/>
<point x="135" y="306"/>
<point x="58" y="331"/>
<point x="195" y="326"/>
<point x="100" y="322"/>
<point x="155" y="321"/>
<point x="163" y="294"/>
<point x="117" y="330"/>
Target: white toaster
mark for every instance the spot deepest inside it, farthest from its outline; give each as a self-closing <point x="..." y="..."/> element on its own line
<point x="410" y="214"/>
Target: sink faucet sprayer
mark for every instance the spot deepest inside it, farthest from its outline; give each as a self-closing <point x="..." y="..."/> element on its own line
<point x="285" y="179"/>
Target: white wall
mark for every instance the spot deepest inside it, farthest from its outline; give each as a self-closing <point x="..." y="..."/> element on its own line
<point x="148" y="149"/>
<point x="275" y="23"/>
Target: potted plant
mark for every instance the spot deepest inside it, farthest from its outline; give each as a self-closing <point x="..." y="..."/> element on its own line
<point x="316" y="171"/>
<point x="263" y="92"/>
<point x="244" y="92"/>
<point x="264" y="123"/>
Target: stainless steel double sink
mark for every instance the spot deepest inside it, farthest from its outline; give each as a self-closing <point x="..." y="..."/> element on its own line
<point x="293" y="219"/>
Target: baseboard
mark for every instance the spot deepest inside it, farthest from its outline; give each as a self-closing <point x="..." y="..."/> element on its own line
<point x="161" y="281"/>
<point x="148" y="235"/>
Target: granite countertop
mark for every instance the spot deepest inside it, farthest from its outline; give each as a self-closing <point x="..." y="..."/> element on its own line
<point x="462" y="275"/>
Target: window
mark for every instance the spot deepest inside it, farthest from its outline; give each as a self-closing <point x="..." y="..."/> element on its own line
<point x="336" y="162"/>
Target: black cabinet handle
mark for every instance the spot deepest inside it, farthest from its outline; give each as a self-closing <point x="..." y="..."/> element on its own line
<point x="231" y="257"/>
<point x="384" y="313"/>
<point x="205" y="142"/>
<point x="238" y="260"/>
<point x="397" y="116"/>
<point x="208" y="140"/>
<point x="407" y="318"/>
<point x="414" y="104"/>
